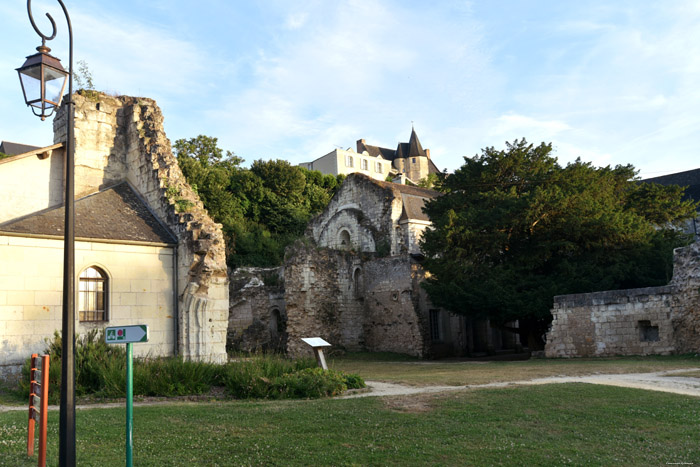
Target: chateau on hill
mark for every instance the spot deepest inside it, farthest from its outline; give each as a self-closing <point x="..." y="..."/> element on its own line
<point x="408" y="159"/>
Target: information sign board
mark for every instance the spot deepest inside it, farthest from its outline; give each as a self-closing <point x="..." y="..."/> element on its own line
<point x="126" y="334"/>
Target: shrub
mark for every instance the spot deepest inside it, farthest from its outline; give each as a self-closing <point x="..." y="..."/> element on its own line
<point x="100" y="370"/>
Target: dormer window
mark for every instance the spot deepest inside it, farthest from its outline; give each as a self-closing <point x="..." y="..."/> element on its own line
<point x="379" y="169"/>
<point x="348" y="161"/>
<point x="365" y="165"/>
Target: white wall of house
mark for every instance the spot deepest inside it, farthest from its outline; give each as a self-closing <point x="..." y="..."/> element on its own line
<point x="345" y="162"/>
<point x="140" y="291"/>
<point x="30" y="184"/>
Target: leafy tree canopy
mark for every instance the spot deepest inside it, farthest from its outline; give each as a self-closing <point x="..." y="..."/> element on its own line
<point x="514" y="228"/>
<point x="262" y="209"/>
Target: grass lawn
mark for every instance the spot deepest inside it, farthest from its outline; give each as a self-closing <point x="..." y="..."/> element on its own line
<point x="401" y="369"/>
<point x="535" y="425"/>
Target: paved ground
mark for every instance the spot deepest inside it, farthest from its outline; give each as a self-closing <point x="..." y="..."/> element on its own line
<point x="659" y="381"/>
<point x="666" y="381"/>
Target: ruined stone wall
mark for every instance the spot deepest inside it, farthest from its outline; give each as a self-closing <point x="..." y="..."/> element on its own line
<point x="257" y="312"/>
<point x="392" y="294"/>
<point x="354" y="302"/>
<point x="365" y="209"/>
<point x="653" y="320"/>
<point x="122" y="138"/>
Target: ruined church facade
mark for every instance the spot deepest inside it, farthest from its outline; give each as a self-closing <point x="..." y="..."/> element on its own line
<point x="355" y="280"/>
<point x="146" y="250"/>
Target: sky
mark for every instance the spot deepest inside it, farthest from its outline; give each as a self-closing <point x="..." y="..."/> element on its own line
<point x="610" y="82"/>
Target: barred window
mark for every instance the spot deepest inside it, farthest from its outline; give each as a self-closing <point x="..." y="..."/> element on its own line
<point x="92" y="295"/>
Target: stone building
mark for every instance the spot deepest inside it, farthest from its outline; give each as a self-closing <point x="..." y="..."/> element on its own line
<point x="146" y="250"/>
<point x="356" y="279"/>
<point x="409" y="159"/>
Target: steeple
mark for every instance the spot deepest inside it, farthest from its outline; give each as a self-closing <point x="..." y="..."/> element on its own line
<point x="414" y="146"/>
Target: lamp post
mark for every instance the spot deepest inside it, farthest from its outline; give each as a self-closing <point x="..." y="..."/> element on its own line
<point x="43" y="81"/>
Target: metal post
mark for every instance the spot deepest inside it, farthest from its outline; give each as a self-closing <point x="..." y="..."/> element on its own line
<point x="129" y="404"/>
<point x="67" y="416"/>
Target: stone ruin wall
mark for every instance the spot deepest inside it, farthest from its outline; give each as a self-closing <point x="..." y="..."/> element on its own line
<point x="360" y="202"/>
<point x="356" y="303"/>
<point x="391" y="297"/>
<point x="119" y="138"/>
<point x="257" y="312"/>
<point x="653" y="320"/>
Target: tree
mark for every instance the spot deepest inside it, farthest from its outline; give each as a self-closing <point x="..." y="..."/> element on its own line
<point x="514" y="228"/>
<point x="262" y="209"/>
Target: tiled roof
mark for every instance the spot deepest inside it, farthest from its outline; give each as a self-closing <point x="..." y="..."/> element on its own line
<point x="375" y="151"/>
<point x="408" y="189"/>
<point x="13" y="149"/>
<point x="413" y="207"/>
<point x="113" y="214"/>
<point x="689" y="178"/>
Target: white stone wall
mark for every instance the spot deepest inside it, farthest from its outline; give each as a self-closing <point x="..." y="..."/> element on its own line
<point x="335" y="163"/>
<point x="31" y="280"/>
<point x="122" y="138"/>
<point x="30" y="184"/>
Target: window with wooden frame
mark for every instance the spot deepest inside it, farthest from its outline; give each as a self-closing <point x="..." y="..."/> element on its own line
<point x="92" y="295"/>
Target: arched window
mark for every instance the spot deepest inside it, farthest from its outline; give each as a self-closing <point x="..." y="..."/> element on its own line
<point x="275" y="322"/>
<point x="344" y="240"/>
<point x="92" y="295"/>
<point x="358" y="282"/>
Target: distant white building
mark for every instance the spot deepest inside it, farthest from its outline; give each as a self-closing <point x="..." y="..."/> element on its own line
<point x="408" y="159"/>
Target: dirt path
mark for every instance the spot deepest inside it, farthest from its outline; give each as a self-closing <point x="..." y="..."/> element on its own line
<point x="664" y="381"/>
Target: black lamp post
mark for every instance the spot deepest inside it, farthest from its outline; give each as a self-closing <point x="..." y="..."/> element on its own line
<point x="43" y="82"/>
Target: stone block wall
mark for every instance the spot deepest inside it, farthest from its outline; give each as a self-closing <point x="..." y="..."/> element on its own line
<point x="122" y="138"/>
<point x="653" y="320"/>
<point x="31" y="296"/>
<point x="391" y="299"/>
<point x="355" y="302"/>
<point x="257" y="312"/>
<point x="619" y="322"/>
<point x="371" y="208"/>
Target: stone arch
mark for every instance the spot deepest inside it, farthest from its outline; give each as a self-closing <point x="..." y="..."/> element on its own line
<point x="344" y="239"/>
<point x="358" y="282"/>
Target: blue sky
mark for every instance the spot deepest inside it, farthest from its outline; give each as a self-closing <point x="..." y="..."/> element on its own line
<point x="612" y="82"/>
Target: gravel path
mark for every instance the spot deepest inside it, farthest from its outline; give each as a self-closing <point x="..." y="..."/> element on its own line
<point x="664" y="381"/>
<point x="659" y="381"/>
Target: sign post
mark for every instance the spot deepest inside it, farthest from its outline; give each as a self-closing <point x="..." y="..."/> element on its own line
<point x="38" y="404"/>
<point x="128" y="335"/>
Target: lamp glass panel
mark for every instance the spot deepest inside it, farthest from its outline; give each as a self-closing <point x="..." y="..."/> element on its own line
<point x="55" y="81"/>
<point x="31" y="83"/>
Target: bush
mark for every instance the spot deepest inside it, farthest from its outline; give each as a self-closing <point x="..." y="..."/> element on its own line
<point x="100" y="370"/>
<point x="95" y="362"/>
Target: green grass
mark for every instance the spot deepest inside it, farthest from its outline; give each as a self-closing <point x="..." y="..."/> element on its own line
<point x="401" y="369"/>
<point x="535" y="425"/>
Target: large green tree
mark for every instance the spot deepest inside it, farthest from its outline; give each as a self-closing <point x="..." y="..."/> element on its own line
<point x="262" y="209"/>
<point x="514" y="228"/>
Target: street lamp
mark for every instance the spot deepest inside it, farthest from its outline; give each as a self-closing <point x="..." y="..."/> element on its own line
<point x="43" y="81"/>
